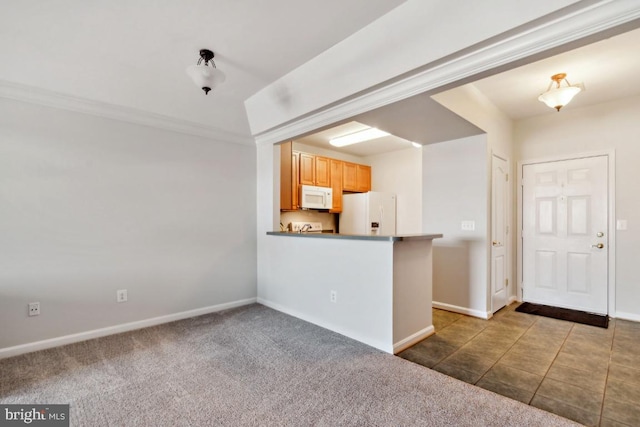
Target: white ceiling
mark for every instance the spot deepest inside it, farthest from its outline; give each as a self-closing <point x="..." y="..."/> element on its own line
<point x="134" y="53"/>
<point x="609" y="70"/>
<point x="366" y="148"/>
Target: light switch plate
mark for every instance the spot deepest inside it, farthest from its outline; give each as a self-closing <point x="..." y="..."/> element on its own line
<point x="621" y="224"/>
<point x="468" y="225"/>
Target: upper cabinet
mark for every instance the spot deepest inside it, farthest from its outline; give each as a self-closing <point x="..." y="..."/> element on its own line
<point x="363" y="178"/>
<point x="314" y="170"/>
<point x="336" y="172"/>
<point x="323" y="172"/>
<point x="295" y="178"/>
<point x="289" y="176"/>
<point x="349" y="180"/>
<point x="356" y="178"/>
<point x="307" y="169"/>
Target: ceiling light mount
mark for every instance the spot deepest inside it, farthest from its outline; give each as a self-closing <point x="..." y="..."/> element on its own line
<point x="206" y="55"/>
<point x="205" y="74"/>
<point x="559" y="96"/>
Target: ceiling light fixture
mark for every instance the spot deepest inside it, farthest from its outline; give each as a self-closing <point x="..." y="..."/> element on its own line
<point x="360" y="136"/>
<point x="206" y="76"/>
<point x="557" y="97"/>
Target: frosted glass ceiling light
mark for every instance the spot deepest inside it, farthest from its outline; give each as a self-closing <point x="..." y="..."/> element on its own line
<point x="360" y="136"/>
<point x="557" y="97"/>
<point x="206" y="76"/>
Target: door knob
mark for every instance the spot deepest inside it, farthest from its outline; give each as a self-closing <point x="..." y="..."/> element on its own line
<point x="599" y="246"/>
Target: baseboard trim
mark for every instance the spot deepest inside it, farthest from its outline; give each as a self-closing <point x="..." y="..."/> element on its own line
<point x="627" y="316"/>
<point x="412" y="339"/>
<point x="117" y="329"/>
<point x="512" y="299"/>
<point x="463" y="310"/>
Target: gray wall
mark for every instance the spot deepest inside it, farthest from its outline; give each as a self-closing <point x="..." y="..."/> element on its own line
<point x="90" y="205"/>
<point x="454" y="189"/>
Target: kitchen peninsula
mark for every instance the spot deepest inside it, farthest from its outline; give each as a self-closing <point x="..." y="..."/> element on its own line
<point x="374" y="289"/>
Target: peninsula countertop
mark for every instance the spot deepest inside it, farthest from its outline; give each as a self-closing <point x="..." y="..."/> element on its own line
<point x="392" y="238"/>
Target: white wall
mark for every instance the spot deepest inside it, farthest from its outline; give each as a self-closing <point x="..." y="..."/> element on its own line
<point x="400" y="172"/>
<point x="90" y="205"/>
<point x="301" y="272"/>
<point x="612" y="125"/>
<point x="455" y="190"/>
<point x="471" y="104"/>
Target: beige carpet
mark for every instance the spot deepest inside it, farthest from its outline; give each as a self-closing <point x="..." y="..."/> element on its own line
<point x="249" y="366"/>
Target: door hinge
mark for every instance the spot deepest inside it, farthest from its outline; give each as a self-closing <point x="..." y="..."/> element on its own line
<point x="506" y="177"/>
<point x="506" y="282"/>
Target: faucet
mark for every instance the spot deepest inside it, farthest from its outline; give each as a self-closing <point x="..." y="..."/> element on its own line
<point x="305" y="228"/>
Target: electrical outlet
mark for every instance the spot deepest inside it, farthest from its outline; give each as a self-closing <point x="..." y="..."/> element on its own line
<point x="34" y="309"/>
<point x="121" y="295"/>
<point x="468" y="225"/>
<point x="333" y="296"/>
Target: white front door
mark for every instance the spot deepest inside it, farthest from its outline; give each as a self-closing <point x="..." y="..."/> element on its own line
<point x="565" y="235"/>
<point x="499" y="231"/>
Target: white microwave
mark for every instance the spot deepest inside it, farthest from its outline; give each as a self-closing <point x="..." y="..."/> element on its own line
<point x="312" y="197"/>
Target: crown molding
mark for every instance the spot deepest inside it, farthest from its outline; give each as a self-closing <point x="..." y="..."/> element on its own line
<point x="48" y="98"/>
<point x="517" y="45"/>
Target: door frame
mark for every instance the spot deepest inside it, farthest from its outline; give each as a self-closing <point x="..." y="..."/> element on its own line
<point x="511" y="296"/>
<point x="611" y="223"/>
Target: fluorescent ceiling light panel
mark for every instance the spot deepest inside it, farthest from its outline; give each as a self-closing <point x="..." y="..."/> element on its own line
<point x="354" y="138"/>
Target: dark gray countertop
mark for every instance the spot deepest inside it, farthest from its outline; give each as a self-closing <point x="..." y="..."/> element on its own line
<point x="394" y="238"/>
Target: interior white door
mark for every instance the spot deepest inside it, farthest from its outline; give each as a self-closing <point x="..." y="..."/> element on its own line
<point x="499" y="233"/>
<point x="565" y="235"/>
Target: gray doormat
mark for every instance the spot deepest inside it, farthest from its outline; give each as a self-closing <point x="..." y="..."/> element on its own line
<point x="576" y="316"/>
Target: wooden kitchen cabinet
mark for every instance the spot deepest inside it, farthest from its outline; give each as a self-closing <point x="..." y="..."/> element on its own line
<point x="349" y="174"/>
<point x="363" y="178"/>
<point x="314" y="170"/>
<point x="307" y="169"/>
<point x="288" y="177"/>
<point x="323" y="172"/>
<point x="297" y="168"/>
<point x="356" y="178"/>
<point x="336" y="171"/>
<point x="295" y="178"/>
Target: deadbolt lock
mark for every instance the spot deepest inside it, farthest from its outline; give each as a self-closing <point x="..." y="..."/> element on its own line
<point x="599" y="234"/>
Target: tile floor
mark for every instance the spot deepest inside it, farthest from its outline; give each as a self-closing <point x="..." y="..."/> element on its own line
<point x="588" y="374"/>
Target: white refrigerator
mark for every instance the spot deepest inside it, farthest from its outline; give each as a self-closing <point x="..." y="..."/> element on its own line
<point x="371" y="213"/>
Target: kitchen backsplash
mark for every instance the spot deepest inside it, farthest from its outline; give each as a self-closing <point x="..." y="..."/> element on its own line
<point x="328" y="220"/>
